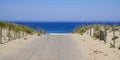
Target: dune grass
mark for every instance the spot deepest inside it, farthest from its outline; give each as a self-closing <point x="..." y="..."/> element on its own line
<point x="100" y="31"/>
<point x="15" y="27"/>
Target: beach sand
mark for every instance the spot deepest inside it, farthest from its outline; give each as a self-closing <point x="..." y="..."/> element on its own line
<point x="91" y="49"/>
<point x="96" y="49"/>
<point x="4" y="48"/>
<point x="47" y="47"/>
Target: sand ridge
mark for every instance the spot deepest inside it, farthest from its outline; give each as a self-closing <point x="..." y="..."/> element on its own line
<point x="95" y="49"/>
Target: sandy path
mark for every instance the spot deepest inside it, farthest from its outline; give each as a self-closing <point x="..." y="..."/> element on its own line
<point x="49" y="47"/>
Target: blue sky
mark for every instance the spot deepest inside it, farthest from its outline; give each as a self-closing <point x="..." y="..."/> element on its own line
<point x="60" y="10"/>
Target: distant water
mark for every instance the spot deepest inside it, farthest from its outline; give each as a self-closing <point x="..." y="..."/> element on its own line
<point x="60" y="27"/>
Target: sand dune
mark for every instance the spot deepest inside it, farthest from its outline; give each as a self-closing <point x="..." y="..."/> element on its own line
<point x="95" y="49"/>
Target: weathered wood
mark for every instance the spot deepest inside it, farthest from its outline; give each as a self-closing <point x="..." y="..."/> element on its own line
<point x="90" y="30"/>
<point x="8" y="34"/>
<point x="105" y="34"/>
<point x="1" y="35"/>
<point x="14" y="32"/>
<point x="113" y="35"/>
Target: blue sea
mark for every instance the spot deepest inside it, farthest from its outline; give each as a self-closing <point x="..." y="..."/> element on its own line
<point x="60" y="27"/>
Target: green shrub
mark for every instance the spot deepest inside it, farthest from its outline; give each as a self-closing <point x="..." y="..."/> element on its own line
<point x="11" y="27"/>
<point x="112" y="46"/>
<point x="114" y="38"/>
<point x="99" y="35"/>
<point x="30" y="31"/>
<point x="24" y="29"/>
<point x="86" y="28"/>
<point x="81" y="31"/>
<point x="96" y="27"/>
<point x="119" y="47"/>
<point x="39" y="34"/>
<point x="95" y="35"/>
<point x="25" y="38"/>
<point x="3" y="24"/>
<point x="16" y="29"/>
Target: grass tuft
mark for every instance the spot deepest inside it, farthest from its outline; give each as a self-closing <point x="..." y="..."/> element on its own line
<point x="119" y="47"/>
<point x="114" y="38"/>
<point x="39" y="34"/>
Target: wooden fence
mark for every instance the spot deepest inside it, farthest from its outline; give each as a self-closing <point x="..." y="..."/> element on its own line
<point x="7" y="35"/>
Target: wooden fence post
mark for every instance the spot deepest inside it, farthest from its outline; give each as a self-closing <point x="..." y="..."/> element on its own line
<point x="105" y="34"/>
<point x="8" y="32"/>
<point x="14" y="30"/>
<point x="90" y="30"/>
<point x="113" y="28"/>
<point x="23" y="31"/>
<point x="0" y="34"/>
<point x="18" y="32"/>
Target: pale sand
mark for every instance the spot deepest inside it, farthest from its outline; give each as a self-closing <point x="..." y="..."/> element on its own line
<point x="5" y="35"/>
<point x="48" y="47"/>
<point x="4" y="48"/>
<point x="96" y="49"/>
<point x="92" y="49"/>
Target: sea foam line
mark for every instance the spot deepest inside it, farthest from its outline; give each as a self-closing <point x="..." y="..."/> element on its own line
<point x="59" y="33"/>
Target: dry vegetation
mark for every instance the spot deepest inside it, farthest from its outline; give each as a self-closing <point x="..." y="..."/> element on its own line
<point x="102" y="33"/>
<point x="10" y="31"/>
